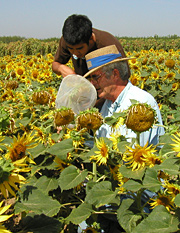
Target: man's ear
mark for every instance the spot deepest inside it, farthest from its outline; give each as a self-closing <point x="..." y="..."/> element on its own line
<point x="116" y="74"/>
<point x="92" y="38"/>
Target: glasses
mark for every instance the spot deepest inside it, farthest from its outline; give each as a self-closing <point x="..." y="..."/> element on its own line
<point x="95" y="77"/>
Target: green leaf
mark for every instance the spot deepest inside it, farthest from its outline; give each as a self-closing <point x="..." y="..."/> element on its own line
<point x="101" y="194"/>
<point x="36" y="151"/>
<point x="132" y="185"/>
<point x="169" y="165"/>
<point x="177" y="200"/>
<point x="71" y="177"/>
<point x="46" y="184"/>
<point x="166" y="149"/>
<point x="38" y="202"/>
<point x="126" y="217"/>
<point x="122" y="146"/>
<point x="25" y="121"/>
<point x="40" y="224"/>
<point x="61" y="149"/>
<point x="127" y="172"/>
<point x="150" y="181"/>
<point x="158" y="221"/>
<point x="80" y="214"/>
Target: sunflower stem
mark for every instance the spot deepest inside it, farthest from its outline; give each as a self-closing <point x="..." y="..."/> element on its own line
<point x="138" y="138"/>
<point x="94" y="172"/>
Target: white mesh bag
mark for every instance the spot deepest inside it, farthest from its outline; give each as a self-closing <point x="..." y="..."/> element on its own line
<point x="77" y="93"/>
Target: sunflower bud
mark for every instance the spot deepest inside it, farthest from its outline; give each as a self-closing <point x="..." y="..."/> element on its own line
<point x="41" y="97"/>
<point x="90" y="119"/>
<point x="140" y="117"/>
<point x="63" y="116"/>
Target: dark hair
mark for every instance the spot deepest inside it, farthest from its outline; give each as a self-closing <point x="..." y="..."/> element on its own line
<point x="77" y="29"/>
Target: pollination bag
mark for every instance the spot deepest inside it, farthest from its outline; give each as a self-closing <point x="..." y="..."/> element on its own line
<point x="77" y="93"/>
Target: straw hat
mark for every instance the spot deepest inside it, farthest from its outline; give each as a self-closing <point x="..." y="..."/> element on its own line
<point x="102" y="57"/>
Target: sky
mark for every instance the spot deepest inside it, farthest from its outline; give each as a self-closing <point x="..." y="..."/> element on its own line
<point x="44" y="19"/>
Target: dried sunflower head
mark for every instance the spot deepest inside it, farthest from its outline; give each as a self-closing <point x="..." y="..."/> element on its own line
<point x="89" y="119"/>
<point x="140" y="117"/>
<point x="12" y="84"/>
<point x="63" y="116"/>
<point x="41" y="97"/>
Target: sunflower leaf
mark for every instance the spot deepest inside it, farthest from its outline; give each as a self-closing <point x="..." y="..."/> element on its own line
<point x="61" y="149"/>
<point x="150" y="181"/>
<point x="159" y="220"/>
<point x="71" y="177"/>
<point x="46" y="184"/>
<point x="38" y="202"/>
<point x="132" y="185"/>
<point x="80" y="214"/>
<point x="127" y="172"/>
<point x="101" y="194"/>
<point x="177" y="200"/>
<point x="126" y="217"/>
<point x="40" y="224"/>
<point x="169" y="166"/>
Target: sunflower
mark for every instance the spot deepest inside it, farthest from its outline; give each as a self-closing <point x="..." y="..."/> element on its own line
<point x="9" y="177"/>
<point x="135" y="79"/>
<point x="172" y="189"/>
<point x="76" y="136"/>
<point x="90" y="119"/>
<point x="20" y="70"/>
<point x="164" y="200"/>
<point x="152" y="159"/>
<point x="170" y="63"/>
<point x="41" y="97"/>
<point x="175" y="86"/>
<point x="140" y="117"/>
<point x="136" y="157"/>
<point x="19" y="147"/>
<point x="63" y="116"/>
<point x="101" y="156"/>
<point x="3" y="218"/>
<point x="61" y="165"/>
<point x="176" y="146"/>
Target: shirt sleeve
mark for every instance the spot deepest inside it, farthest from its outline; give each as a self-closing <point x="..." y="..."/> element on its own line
<point x="62" y="54"/>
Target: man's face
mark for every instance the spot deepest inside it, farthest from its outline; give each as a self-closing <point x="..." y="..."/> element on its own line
<point x="103" y="85"/>
<point x="80" y="50"/>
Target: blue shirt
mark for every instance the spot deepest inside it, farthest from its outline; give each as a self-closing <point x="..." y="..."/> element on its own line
<point x="123" y="102"/>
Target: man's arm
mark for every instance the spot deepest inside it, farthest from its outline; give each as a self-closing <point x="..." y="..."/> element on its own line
<point x="61" y="69"/>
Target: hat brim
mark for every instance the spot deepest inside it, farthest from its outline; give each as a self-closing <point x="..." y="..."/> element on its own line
<point x="115" y="60"/>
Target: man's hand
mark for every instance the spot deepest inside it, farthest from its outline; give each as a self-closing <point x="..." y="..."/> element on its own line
<point x="61" y="69"/>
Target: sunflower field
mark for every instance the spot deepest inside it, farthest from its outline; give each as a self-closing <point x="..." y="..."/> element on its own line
<point x="52" y="181"/>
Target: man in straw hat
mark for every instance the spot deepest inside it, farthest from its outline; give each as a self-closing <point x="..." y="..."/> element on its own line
<point x="108" y="72"/>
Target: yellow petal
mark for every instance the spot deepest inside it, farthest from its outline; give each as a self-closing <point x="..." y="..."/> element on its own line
<point x="3" y="190"/>
<point x="5" y="217"/>
<point x="4" y="208"/>
<point x="6" y="184"/>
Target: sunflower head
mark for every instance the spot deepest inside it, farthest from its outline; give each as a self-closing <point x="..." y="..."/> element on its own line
<point x="164" y="200"/>
<point x="41" y="97"/>
<point x="170" y="63"/>
<point x="12" y="84"/>
<point x="89" y="119"/>
<point x="140" y="117"/>
<point x="63" y="116"/>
